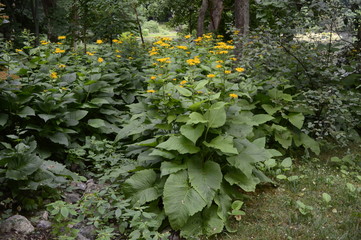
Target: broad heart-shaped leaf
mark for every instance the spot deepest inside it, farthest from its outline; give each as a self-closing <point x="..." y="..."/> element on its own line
<point x="192" y="133"/>
<point x="162" y="153"/>
<point x="60" y="138"/>
<point x="216" y="115"/>
<point x="180" y="200"/>
<point x="72" y="118"/>
<point x="282" y="135"/>
<point x="262" y="118"/>
<point x="183" y="91"/>
<point x="26" y="111"/>
<point x="46" y="117"/>
<point x="270" y="109"/>
<point x="205" y="223"/>
<point x="307" y="142"/>
<point x="180" y="144"/>
<point x="201" y="84"/>
<point x="3" y="119"/>
<point x="22" y="166"/>
<point x="235" y="176"/>
<point x="296" y="119"/>
<point x="142" y="187"/>
<point x="224" y="144"/>
<point x="205" y="177"/>
<point x="167" y="168"/>
<point x="195" y="118"/>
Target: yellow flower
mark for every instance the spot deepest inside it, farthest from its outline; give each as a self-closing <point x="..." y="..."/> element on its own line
<point x="219" y="66"/>
<point x="64" y="88"/>
<point x="100" y="60"/>
<point x="220" y="61"/>
<point x="115" y="40"/>
<point x="61" y="37"/>
<point x="211" y="75"/>
<point x="150" y="91"/>
<point x="198" y="39"/>
<point x="183" y="82"/>
<point x="194" y="61"/>
<point x="182" y="47"/>
<point x="58" y="50"/>
<point x="233" y="95"/>
<point x="43" y="42"/>
<point x="18" y="50"/>
<point x="187" y="36"/>
<point x="220" y="36"/>
<point x="174" y="79"/>
<point x="61" y="65"/>
<point x="153" y="77"/>
<point x="118" y="56"/>
<point x="233" y="59"/>
<point x="130" y="58"/>
<point x="89" y="53"/>
<point x="222" y="52"/>
<point x="240" y="69"/>
<point x="99" y="41"/>
<point x="166" y="39"/>
<point x="54" y="75"/>
<point x="164" y="60"/>
<point x="227" y="72"/>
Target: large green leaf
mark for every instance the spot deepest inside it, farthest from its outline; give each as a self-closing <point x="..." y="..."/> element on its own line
<point x="236" y="177"/>
<point x="262" y="118"/>
<point x="192" y="133"/>
<point x="201" y="84"/>
<point x="180" y="144"/>
<point x="296" y="119"/>
<point x="216" y="115"/>
<point x="22" y="166"/>
<point x="205" y="223"/>
<point x="224" y="144"/>
<point x="195" y="118"/>
<point x="142" y="187"/>
<point x="183" y="91"/>
<point x="205" y="177"/>
<point x="167" y="168"/>
<point x="60" y="138"/>
<point x="46" y="117"/>
<point x="26" y="111"/>
<point x="96" y="123"/>
<point x="180" y="200"/>
<point x="270" y="109"/>
<point x="307" y="142"/>
<point x="72" y="118"/>
<point x="3" y="119"/>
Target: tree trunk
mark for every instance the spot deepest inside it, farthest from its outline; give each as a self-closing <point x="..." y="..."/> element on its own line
<point x="48" y="6"/>
<point x="35" y="13"/>
<point x="216" y="9"/>
<point x="201" y="18"/>
<point x="139" y="25"/>
<point x="242" y="16"/>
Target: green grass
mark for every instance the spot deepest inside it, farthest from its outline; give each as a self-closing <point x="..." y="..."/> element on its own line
<point x="272" y="213"/>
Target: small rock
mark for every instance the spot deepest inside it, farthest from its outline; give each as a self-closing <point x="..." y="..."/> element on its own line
<point x="81" y="237"/>
<point x="17" y="223"/>
<point x="72" y="197"/>
<point x="88" y="231"/>
<point x="44" y="224"/>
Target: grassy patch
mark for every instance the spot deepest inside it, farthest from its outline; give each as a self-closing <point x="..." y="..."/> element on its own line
<point x="331" y="209"/>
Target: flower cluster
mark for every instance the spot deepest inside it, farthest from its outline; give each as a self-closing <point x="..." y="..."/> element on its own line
<point x="164" y="60"/>
<point x="194" y="61"/>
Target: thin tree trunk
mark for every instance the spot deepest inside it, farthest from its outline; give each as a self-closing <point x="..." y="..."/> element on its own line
<point x="216" y="10"/>
<point x="35" y="13"/>
<point x="201" y="18"/>
<point x="139" y="25"/>
<point x="242" y="16"/>
<point x="48" y="6"/>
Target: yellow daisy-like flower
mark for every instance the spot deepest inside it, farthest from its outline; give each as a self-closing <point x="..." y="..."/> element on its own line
<point x="164" y="60"/>
<point x="227" y="72"/>
<point x="153" y="77"/>
<point x="115" y="40"/>
<point x="220" y="61"/>
<point x="54" y="75"/>
<point x="43" y="42"/>
<point x="89" y="53"/>
<point x="219" y="66"/>
<point x="220" y="36"/>
<point x="130" y="58"/>
<point x="233" y="95"/>
<point x="18" y="50"/>
<point x="61" y="37"/>
<point x="150" y="91"/>
<point x="99" y="41"/>
<point x="187" y="36"/>
<point x="62" y="66"/>
<point x="240" y="69"/>
<point x="174" y="79"/>
<point x="194" y="61"/>
<point x="222" y="52"/>
<point x="233" y="59"/>
<point x="58" y="50"/>
<point x="118" y="56"/>
<point x="183" y="82"/>
<point x="198" y="39"/>
<point x="182" y="47"/>
<point x="211" y="75"/>
<point x="100" y="60"/>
